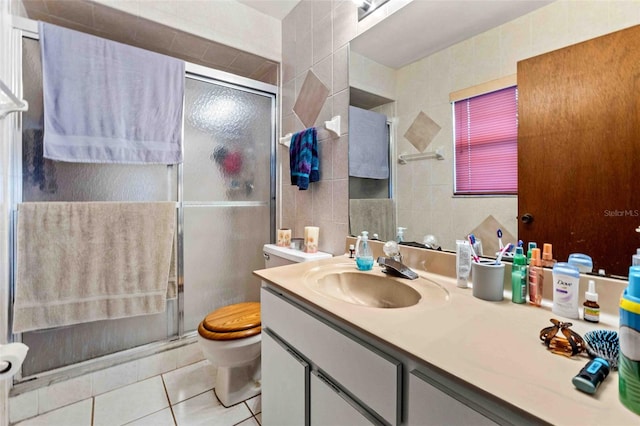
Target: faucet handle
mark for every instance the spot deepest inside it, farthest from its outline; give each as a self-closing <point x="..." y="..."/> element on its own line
<point x="391" y="248"/>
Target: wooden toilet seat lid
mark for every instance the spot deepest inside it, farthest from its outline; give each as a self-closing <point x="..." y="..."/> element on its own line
<point x="232" y="322"/>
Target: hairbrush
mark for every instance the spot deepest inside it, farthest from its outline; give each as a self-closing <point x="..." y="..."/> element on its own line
<point x="603" y="344"/>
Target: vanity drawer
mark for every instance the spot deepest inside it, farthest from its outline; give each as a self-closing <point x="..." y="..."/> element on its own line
<point x="366" y="374"/>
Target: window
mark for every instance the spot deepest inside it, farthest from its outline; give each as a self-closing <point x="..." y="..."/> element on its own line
<point x="486" y="143"/>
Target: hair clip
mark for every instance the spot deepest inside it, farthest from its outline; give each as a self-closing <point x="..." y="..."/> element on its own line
<point x="569" y="344"/>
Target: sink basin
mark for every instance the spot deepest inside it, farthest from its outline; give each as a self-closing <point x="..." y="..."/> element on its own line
<point x="373" y="288"/>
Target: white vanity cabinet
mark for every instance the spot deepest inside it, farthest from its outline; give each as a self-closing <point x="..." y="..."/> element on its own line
<point x="319" y="370"/>
<point x="359" y="376"/>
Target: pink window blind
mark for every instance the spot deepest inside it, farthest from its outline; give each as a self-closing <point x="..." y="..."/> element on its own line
<point x="486" y="146"/>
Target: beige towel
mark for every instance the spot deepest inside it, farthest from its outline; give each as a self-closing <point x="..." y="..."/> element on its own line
<point x="375" y="215"/>
<point x="80" y="262"/>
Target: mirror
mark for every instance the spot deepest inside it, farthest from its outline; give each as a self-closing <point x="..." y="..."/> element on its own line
<point x="410" y="62"/>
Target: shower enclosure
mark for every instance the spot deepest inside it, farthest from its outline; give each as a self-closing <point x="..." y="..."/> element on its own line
<point x="224" y="194"/>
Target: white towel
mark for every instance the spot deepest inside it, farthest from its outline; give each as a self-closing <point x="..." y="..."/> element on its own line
<point x="106" y="102"/>
<point x="368" y="144"/>
<point x="80" y="262"/>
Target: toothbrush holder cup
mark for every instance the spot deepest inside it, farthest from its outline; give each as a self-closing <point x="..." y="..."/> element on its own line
<point x="487" y="280"/>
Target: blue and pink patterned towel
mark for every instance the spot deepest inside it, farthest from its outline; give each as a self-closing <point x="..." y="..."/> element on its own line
<point x="303" y="158"/>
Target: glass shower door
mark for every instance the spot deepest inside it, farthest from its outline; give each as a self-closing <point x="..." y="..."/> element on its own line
<point x="223" y="191"/>
<point x="227" y="196"/>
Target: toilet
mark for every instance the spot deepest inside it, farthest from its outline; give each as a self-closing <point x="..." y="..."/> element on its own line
<point x="230" y="336"/>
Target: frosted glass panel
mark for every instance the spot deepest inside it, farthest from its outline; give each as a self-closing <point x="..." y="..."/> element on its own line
<point x="46" y="180"/>
<point x="228" y="133"/>
<point x="59" y="347"/>
<point x="222" y="246"/>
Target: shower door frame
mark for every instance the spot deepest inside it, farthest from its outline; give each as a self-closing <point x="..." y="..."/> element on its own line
<point x="26" y="28"/>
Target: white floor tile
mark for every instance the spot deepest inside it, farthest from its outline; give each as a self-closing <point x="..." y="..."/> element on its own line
<point x="78" y="414"/>
<point x="205" y="409"/>
<point x="23" y="406"/>
<point x="130" y="402"/>
<point x="157" y="364"/>
<point x="255" y="404"/>
<point x="161" y="418"/>
<point x="114" y="377"/>
<point x="64" y="393"/>
<point x="251" y="421"/>
<point x="189" y="381"/>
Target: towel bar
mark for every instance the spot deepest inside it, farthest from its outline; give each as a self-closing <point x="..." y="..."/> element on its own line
<point x="333" y="126"/>
<point x="15" y="105"/>
<point x="403" y="158"/>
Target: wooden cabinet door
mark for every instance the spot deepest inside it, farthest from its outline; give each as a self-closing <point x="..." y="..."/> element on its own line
<point x="579" y="149"/>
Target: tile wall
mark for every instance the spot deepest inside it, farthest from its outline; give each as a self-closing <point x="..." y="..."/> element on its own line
<point x="315" y="37"/>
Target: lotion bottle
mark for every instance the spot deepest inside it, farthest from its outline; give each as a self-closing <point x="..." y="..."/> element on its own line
<point x="566" y="283"/>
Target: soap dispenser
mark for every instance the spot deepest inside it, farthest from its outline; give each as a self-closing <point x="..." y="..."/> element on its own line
<point x="400" y="234"/>
<point x="364" y="256"/>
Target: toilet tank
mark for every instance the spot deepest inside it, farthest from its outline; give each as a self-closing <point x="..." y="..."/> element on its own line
<point x="279" y="256"/>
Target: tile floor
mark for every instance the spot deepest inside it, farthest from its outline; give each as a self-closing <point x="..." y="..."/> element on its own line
<point x="182" y="397"/>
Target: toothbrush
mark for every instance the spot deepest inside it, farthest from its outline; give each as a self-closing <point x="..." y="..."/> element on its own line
<point x="500" y="245"/>
<point x="472" y="239"/>
<point x="502" y="252"/>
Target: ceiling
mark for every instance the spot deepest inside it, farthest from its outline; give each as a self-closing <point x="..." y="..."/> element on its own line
<point x="276" y="8"/>
<point x="424" y="27"/>
<point x="100" y="20"/>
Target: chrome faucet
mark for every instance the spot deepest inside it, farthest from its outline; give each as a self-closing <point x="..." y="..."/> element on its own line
<point x="392" y="263"/>
<point x="392" y="266"/>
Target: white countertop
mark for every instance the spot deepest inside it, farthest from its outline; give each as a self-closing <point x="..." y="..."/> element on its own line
<point x="492" y="345"/>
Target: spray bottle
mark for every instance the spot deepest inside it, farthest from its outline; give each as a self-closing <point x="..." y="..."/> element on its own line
<point x="536" y="278"/>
